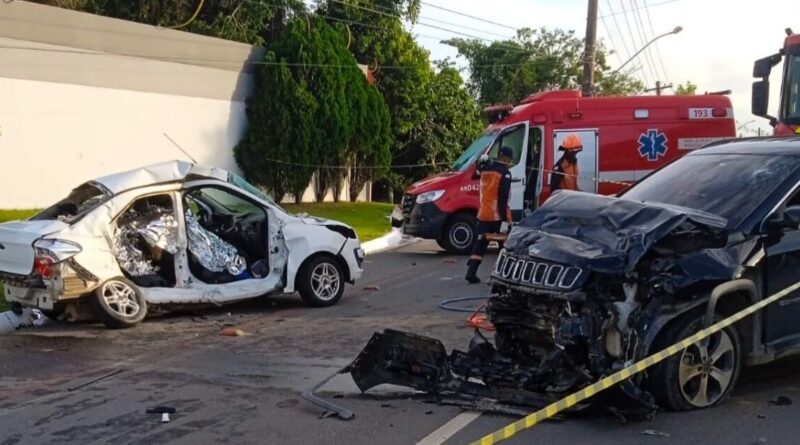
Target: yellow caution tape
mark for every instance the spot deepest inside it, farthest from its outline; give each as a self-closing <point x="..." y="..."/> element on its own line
<point x="589" y="391"/>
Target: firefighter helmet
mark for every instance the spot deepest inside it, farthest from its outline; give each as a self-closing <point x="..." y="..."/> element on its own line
<point x="571" y="143"/>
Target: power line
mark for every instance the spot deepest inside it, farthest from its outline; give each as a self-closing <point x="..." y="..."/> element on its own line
<point x="353" y="22"/>
<point x="397" y="16"/>
<point x="637" y="21"/>
<point x="624" y="10"/>
<point x="633" y="39"/>
<point x="611" y="39"/>
<point x="230" y="62"/>
<point x="444" y="22"/>
<point x="619" y="30"/>
<point x="480" y="19"/>
<point x="658" y="49"/>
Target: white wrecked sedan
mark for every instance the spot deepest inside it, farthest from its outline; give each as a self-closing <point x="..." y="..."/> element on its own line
<point x="170" y="234"/>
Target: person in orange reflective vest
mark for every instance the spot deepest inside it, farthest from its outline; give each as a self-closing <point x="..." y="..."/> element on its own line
<point x="565" y="172"/>
<point x="495" y="190"/>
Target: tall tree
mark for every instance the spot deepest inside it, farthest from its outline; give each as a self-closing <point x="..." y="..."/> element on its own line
<point x="406" y="79"/>
<point x="535" y="60"/>
<point x="310" y="113"/>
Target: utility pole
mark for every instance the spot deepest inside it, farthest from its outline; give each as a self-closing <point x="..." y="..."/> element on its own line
<point x="589" y="50"/>
<point x="658" y="88"/>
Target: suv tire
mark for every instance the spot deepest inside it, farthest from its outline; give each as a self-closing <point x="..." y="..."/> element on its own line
<point x="699" y="376"/>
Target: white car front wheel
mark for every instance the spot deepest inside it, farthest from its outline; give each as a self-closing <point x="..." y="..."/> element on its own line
<point x="321" y="281"/>
<point x="119" y="304"/>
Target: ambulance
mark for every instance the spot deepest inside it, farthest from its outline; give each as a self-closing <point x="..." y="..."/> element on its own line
<point x="624" y="139"/>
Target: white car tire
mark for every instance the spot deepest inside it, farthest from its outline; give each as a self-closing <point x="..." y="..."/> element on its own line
<point x="321" y="281"/>
<point x="119" y="304"/>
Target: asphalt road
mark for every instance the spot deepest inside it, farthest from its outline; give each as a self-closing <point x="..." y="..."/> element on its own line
<point x="85" y="384"/>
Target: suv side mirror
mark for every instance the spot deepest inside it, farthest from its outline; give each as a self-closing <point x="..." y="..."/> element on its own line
<point x="760" y="98"/>
<point x="790" y="220"/>
<point x="792" y="216"/>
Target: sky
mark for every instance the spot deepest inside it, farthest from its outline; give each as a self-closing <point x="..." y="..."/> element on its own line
<point x="715" y="50"/>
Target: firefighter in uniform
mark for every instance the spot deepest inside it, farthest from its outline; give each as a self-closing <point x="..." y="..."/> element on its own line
<point x="565" y="172"/>
<point x="495" y="189"/>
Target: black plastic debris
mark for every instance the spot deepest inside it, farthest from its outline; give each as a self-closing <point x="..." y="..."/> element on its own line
<point x="781" y="401"/>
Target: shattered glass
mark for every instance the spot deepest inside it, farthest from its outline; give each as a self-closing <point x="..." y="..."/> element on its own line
<point x="211" y="251"/>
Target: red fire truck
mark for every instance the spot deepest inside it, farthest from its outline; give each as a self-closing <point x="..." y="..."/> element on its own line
<point x="788" y="121"/>
<point x="624" y="139"/>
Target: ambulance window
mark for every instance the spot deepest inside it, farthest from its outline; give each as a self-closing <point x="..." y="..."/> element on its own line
<point x="511" y="137"/>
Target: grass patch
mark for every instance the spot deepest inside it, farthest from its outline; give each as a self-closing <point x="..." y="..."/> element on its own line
<point x="370" y="219"/>
<point x="11" y="215"/>
<point x="16" y="214"/>
<point x="5" y="216"/>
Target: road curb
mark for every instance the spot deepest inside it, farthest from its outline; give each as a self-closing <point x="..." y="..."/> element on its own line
<point x="392" y="240"/>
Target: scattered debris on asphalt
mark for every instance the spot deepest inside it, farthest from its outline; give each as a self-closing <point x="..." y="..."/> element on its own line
<point x="372" y="288"/>
<point x="288" y="403"/>
<point x="165" y="411"/>
<point x="781" y="401"/>
<point x="230" y="332"/>
<point x="449" y="261"/>
<point x="655" y="433"/>
<point x="762" y="416"/>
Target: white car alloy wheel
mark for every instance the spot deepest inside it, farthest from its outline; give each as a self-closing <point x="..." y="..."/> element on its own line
<point x="118" y="303"/>
<point x="321" y="281"/>
<point x="325" y="281"/>
<point x="120" y="298"/>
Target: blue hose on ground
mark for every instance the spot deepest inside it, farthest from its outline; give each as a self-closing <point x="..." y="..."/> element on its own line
<point x="447" y="304"/>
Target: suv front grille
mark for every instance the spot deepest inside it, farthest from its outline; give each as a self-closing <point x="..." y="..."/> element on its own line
<point x="536" y="273"/>
<point x="407" y="204"/>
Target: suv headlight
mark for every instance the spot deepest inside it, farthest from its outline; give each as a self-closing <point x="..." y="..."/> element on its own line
<point x="422" y="198"/>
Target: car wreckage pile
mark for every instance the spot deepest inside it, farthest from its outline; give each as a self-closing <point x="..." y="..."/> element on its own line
<point x="576" y="293"/>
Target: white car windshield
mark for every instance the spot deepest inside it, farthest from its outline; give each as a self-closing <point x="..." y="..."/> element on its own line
<point x="242" y="183"/>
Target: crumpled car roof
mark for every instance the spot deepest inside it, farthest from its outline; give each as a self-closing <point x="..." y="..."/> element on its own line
<point x="601" y="233"/>
<point x="164" y="172"/>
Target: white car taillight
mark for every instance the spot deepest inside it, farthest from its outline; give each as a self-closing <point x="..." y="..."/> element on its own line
<point x="50" y="253"/>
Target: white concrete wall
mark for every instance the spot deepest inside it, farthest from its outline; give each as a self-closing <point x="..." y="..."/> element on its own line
<point x="83" y="96"/>
<point x="55" y="136"/>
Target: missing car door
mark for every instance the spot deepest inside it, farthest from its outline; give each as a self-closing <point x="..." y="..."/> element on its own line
<point x="145" y="241"/>
<point x="227" y="236"/>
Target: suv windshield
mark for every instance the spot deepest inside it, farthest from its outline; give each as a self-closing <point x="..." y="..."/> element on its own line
<point x="791" y="90"/>
<point x="474" y="150"/>
<point x="728" y="185"/>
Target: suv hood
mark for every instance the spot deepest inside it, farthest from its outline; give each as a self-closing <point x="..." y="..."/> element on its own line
<point x="610" y="235"/>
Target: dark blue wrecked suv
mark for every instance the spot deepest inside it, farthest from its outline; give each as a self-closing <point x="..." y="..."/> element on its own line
<point x="587" y="285"/>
